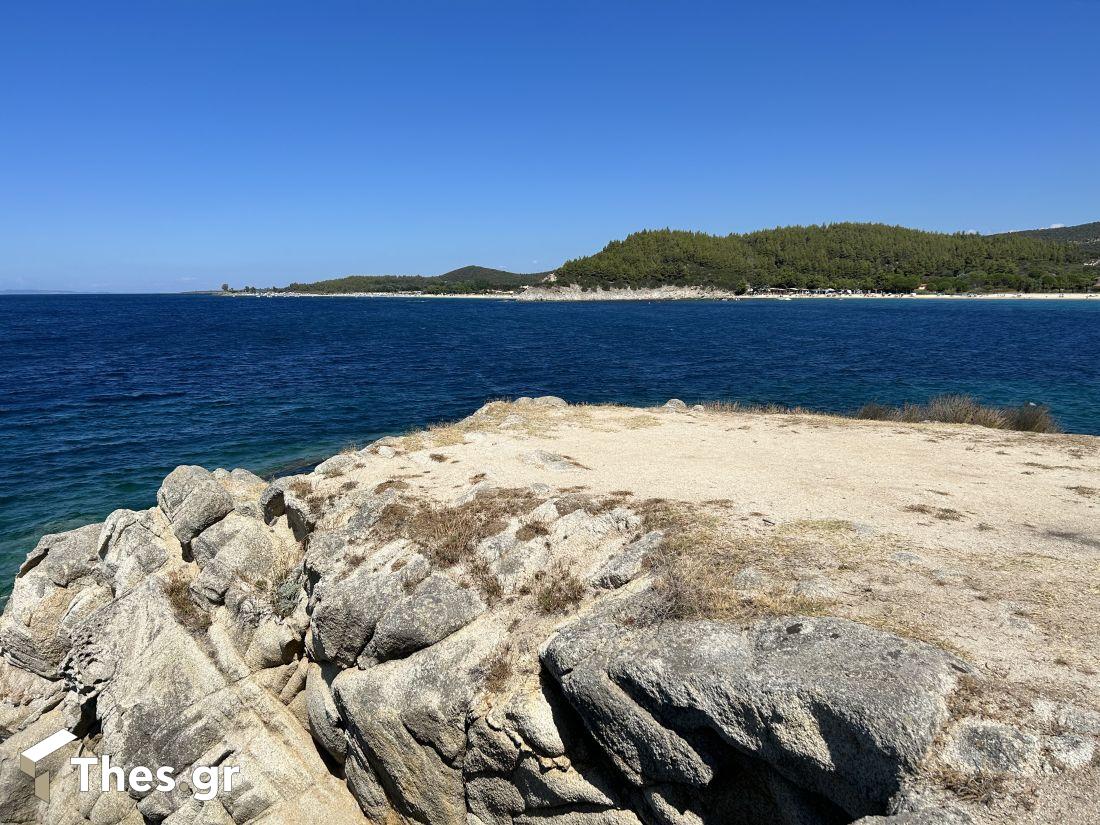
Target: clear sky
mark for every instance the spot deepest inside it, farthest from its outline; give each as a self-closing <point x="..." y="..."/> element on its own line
<point x="177" y="144"/>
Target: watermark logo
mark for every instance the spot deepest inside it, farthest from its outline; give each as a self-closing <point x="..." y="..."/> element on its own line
<point x="205" y="781"/>
<point x="29" y="759"/>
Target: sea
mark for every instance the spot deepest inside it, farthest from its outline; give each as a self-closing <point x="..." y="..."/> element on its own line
<point x="102" y="395"/>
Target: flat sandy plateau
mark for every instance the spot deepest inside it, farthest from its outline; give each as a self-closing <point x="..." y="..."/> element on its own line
<point x="984" y="542"/>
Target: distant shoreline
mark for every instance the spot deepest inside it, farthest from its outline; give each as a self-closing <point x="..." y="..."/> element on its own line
<point x="678" y="294"/>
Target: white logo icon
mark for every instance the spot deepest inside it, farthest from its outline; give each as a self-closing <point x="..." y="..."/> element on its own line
<point x="29" y="759"/>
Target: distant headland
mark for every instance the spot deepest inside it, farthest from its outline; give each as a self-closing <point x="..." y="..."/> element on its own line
<point x="850" y="259"/>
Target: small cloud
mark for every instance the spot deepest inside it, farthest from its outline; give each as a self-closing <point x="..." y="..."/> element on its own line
<point x="1056" y="226"/>
<point x="187" y="278"/>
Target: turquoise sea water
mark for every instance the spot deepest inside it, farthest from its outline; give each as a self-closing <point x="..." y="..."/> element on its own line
<point x="101" y="396"/>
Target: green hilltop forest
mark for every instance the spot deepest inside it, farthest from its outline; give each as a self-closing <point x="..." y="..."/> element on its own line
<point x="1086" y="236"/>
<point x="858" y="256"/>
<point x="468" y="279"/>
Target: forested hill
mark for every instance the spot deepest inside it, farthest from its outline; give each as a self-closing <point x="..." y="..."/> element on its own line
<point x="490" y="277"/>
<point x="468" y="279"/>
<point x="1086" y="236"/>
<point x="839" y="256"/>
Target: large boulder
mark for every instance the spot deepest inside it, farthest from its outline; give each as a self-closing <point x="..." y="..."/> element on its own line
<point x="192" y="499"/>
<point x="627" y="564"/>
<point x="65" y="558"/>
<point x="324" y="719"/>
<point x="529" y="760"/>
<point x="406" y="721"/>
<point x="134" y="544"/>
<point x="352" y="593"/>
<point x="833" y="708"/>
<point x="56" y="589"/>
<point x="244" y="488"/>
<point x="435" y="609"/>
<point x="244" y="553"/>
<point x="168" y="693"/>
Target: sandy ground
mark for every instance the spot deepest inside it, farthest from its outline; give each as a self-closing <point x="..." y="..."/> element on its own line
<point x="1002" y="527"/>
<point x="985" y="542"/>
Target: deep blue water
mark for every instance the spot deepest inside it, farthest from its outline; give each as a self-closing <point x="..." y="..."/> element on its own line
<point x="101" y="396"/>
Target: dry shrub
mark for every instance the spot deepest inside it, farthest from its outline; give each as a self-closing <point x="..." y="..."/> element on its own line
<point x="558" y="589"/>
<point x="532" y="530"/>
<point x="981" y="788"/>
<point x="300" y="487"/>
<point x="966" y="699"/>
<point x="498" y="670"/>
<point x="450" y="533"/>
<point x="485" y="580"/>
<point x="437" y="457"/>
<point x="573" y="501"/>
<point x="177" y="587"/>
<point x="962" y="409"/>
<point x="1085" y="492"/>
<point x="742" y="408"/>
<point x="1031" y="418"/>
<point x="877" y="412"/>
<point x="282" y="587"/>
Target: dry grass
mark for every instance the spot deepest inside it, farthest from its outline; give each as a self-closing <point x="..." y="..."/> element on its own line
<point x="177" y="587"/>
<point x="696" y="566"/>
<point x="898" y="624"/>
<point x="979" y="788"/>
<point x="391" y="484"/>
<point x="532" y="530"/>
<point x="498" y="670"/>
<point x="829" y="525"/>
<point x="640" y="422"/>
<point x="942" y="513"/>
<point x="557" y="590"/>
<point x="740" y="408"/>
<point x="449" y="534"/>
<point x="1084" y="492"/>
<point x="486" y="582"/>
<point x="573" y="500"/>
<point x="300" y="487"/>
<point x="528" y="419"/>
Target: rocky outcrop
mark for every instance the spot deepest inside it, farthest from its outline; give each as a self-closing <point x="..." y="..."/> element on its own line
<point x="192" y="499"/>
<point x="362" y="654"/>
<point x="834" y="713"/>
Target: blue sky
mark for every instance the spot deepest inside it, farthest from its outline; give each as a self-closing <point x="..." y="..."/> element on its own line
<point x="178" y="144"/>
